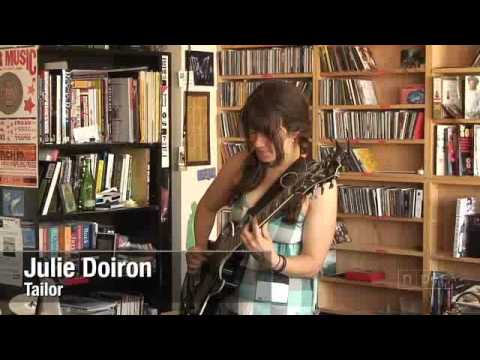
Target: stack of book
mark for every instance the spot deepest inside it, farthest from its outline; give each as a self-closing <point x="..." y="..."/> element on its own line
<point x="467" y="228"/>
<point x="82" y="305"/>
<point x="118" y="106"/>
<point x="347" y="92"/>
<point x="457" y="150"/>
<point x="277" y="60"/>
<point x="64" y="238"/>
<point x="231" y="126"/>
<point x="235" y="93"/>
<point x="346" y="58"/>
<point x="399" y="124"/>
<point x="380" y="201"/>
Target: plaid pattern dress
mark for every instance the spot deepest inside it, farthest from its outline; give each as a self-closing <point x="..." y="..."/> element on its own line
<point x="302" y="292"/>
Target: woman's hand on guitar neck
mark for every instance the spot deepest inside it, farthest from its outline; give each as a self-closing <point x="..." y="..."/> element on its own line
<point x="196" y="256"/>
<point x="259" y="242"/>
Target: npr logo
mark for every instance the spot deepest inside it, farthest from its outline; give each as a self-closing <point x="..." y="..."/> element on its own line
<point x="409" y="279"/>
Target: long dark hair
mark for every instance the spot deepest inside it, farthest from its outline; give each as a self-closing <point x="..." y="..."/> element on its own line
<point x="271" y="105"/>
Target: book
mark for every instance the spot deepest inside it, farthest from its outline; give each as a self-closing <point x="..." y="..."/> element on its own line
<point x="476" y="150"/>
<point x="472" y="244"/>
<point x="465" y="150"/>
<point x="472" y="97"/>
<point x="51" y="188"/>
<point x="452" y="97"/>
<point x="367" y="159"/>
<point x="465" y="206"/>
<point x="67" y="197"/>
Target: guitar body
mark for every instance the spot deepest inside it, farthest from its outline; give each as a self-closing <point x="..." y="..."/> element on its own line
<point x="219" y="276"/>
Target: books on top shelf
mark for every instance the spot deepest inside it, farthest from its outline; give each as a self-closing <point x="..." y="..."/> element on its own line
<point x="235" y="93"/>
<point x="276" y="60"/>
<point x="391" y="124"/>
<point x="456" y="150"/>
<point x="346" y="58"/>
<point x="381" y="201"/>
<point x="466" y="241"/>
<point x="347" y="92"/>
<point x="117" y="105"/>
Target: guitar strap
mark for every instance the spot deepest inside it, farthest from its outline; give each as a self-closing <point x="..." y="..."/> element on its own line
<point x="298" y="166"/>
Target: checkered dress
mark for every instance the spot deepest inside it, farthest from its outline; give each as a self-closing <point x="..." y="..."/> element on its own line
<point x="302" y="292"/>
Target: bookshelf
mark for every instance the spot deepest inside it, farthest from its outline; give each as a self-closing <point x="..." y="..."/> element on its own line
<point x="447" y="60"/>
<point x="391" y="244"/>
<point x="150" y="173"/>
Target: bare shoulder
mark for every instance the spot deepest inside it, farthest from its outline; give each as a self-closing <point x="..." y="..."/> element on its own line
<point x="327" y="199"/>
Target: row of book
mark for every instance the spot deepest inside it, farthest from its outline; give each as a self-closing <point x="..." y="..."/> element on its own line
<point x="229" y="149"/>
<point x="67" y="237"/>
<point x="276" y="60"/>
<point x="62" y="179"/>
<point x="457" y="150"/>
<point x="347" y="92"/>
<point x="346" y="58"/>
<point x="357" y="160"/>
<point x="235" y="93"/>
<point x="467" y="228"/>
<point x="230" y="124"/>
<point x="391" y="124"/>
<point x="103" y="303"/>
<point x="78" y="106"/>
<point x="456" y="97"/>
<point x="381" y="201"/>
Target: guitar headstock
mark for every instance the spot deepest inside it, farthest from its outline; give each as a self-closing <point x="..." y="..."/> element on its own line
<point x="319" y="173"/>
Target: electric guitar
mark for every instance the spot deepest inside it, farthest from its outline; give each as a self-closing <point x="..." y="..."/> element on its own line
<point x="221" y="273"/>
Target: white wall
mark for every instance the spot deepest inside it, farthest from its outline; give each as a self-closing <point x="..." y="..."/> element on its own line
<point x="185" y="187"/>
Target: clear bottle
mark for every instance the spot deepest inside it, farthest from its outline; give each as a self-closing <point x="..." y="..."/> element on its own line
<point x="87" y="188"/>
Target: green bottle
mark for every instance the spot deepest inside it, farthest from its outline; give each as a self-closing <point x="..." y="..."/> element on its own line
<point x="87" y="188"/>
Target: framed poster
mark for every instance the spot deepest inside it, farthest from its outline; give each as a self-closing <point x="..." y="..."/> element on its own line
<point x="18" y="117"/>
<point x="201" y="63"/>
<point x="197" y="128"/>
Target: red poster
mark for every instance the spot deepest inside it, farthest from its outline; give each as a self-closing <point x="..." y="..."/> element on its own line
<point x="18" y="117"/>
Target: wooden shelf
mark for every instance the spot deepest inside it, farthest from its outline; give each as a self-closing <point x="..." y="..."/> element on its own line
<point x="380" y="218"/>
<point x="222" y="78"/>
<point x="79" y="214"/>
<point x="233" y="139"/>
<point x="378" y="249"/>
<point x="239" y="108"/>
<point x="456" y="180"/>
<point x="395" y="177"/>
<point x="379" y="72"/>
<point x="449" y="257"/>
<point x="234" y="47"/>
<point x="373" y="107"/>
<point x="376" y="284"/>
<point x="68" y="49"/>
<point x="98" y="146"/>
<point x="344" y="311"/>
<point x="376" y="141"/>
<point x="456" y="70"/>
<point x="230" y="108"/>
<point x="456" y="121"/>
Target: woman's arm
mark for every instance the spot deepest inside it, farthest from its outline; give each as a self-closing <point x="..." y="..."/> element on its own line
<point x="318" y="232"/>
<point x="217" y="196"/>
